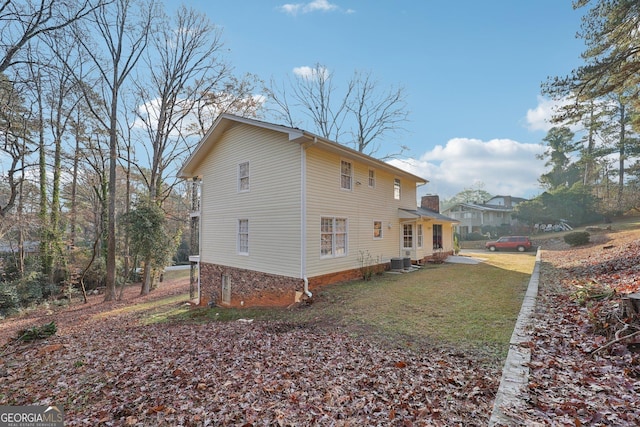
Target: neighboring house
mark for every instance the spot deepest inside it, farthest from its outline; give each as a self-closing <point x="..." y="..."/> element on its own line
<point x="283" y="211"/>
<point x="29" y="247"/>
<point x="474" y="217"/>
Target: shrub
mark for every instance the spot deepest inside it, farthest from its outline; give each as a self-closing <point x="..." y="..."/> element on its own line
<point x="30" y="288"/>
<point x="474" y="237"/>
<point x="577" y="238"/>
<point x="9" y="302"/>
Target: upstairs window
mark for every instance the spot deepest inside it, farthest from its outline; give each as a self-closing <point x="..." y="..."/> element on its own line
<point x="243" y="177"/>
<point x="396" y="188"/>
<point x="243" y="236"/>
<point x="372" y="178"/>
<point x="346" y="175"/>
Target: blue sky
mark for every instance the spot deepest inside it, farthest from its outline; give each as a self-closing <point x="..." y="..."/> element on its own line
<point x="471" y="69"/>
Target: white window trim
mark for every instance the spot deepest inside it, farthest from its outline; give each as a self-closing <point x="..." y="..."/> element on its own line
<point x="333" y="237"/>
<point x="381" y="230"/>
<point x="419" y="236"/>
<point x="370" y="178"/>
<point x="350" y="176"/>
<point x="240" y="189"/>
<point x="399" y="188"/>
<point x="239" y="248"/>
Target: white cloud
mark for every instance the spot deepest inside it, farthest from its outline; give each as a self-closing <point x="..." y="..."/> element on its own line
<point x="540" y="117"/>
<point x="310" y="73"/>
<point x="503" y="166"/>
<point x="312" y="6"/>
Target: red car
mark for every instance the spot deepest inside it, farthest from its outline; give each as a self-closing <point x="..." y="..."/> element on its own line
<point x="519" y="243"/>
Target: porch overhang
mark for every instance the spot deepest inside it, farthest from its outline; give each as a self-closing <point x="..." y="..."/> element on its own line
<point x="424" y="215"/>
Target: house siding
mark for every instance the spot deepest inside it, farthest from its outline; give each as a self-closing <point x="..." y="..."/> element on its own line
<point x="272" y="204"/>
<point x="360" y="206"/>
<point x="273" y="269"/>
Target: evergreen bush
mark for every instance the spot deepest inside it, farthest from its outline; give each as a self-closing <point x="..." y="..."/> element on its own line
<point x="577" y="238"/>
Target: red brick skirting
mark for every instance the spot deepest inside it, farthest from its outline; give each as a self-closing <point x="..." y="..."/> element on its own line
<point x="248" y="287"/>
<point x="253" y="288"/>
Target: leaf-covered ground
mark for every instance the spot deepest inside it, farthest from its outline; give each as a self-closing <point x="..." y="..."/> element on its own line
<point x="112" y="370"/>
<point x="575" y="380"/>
<point x="107" y="368"/>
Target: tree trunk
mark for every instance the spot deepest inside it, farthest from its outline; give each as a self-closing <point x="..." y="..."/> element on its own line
<point x="146" y="277"/>
<point x="621" y="156"/>
<point x="110" y="289"/>
<point x="630" y="306"/>
<point x="74" y="188"/>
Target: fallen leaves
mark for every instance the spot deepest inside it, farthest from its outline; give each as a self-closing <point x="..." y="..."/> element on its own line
<point x="261" y="373"/>
<point x="570" y="384"/>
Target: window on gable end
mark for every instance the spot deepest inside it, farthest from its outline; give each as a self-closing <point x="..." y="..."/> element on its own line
<point x="396" y="188"/>
<point x="372" y="178"/>
<point x="243" y="177"/>
<point x="243" y="236"/>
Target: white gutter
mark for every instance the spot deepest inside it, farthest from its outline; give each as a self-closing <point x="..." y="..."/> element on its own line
<point x="303" y="218"/>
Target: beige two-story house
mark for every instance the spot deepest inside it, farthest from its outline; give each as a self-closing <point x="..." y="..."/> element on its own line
<point x="283" y="211"/>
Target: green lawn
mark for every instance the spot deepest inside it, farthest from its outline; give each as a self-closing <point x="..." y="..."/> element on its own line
<point x="458" y="305"/>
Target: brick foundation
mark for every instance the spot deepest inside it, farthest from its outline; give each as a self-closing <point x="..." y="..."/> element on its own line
<point x="253" y="288"/>
<point x="345" y="276"/>
<point x="248" y="288"/>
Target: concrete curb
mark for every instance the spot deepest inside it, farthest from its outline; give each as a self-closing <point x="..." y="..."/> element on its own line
<point x="515" y="373"/>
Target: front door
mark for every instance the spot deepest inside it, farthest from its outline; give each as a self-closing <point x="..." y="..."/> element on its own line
<point x="407" y="239"/>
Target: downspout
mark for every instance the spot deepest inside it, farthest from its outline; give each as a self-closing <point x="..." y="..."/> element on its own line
<point x="303" y="218"/>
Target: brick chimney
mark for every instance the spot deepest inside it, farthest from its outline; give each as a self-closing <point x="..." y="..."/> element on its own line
<point x="430" y="202"/>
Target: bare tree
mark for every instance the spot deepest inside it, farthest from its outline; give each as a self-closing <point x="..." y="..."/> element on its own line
<point x="15" y="142"/>
<point x="123" y="30"/>
<point x="312" y="93"/>
<point x="25" y="20"/>
<point x="375" y="113"/>
<point x="183" y="64"/>
<point x="242" y="96"/>
<point x="359" y="116"/>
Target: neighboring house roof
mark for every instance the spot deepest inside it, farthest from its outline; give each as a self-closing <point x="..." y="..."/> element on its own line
<point x="492" y="208"/>
<point x="28" y="246"/>
<point x="422" y="214"/>
<point x="513" y="200"/>
<point x="226" y="121"/>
